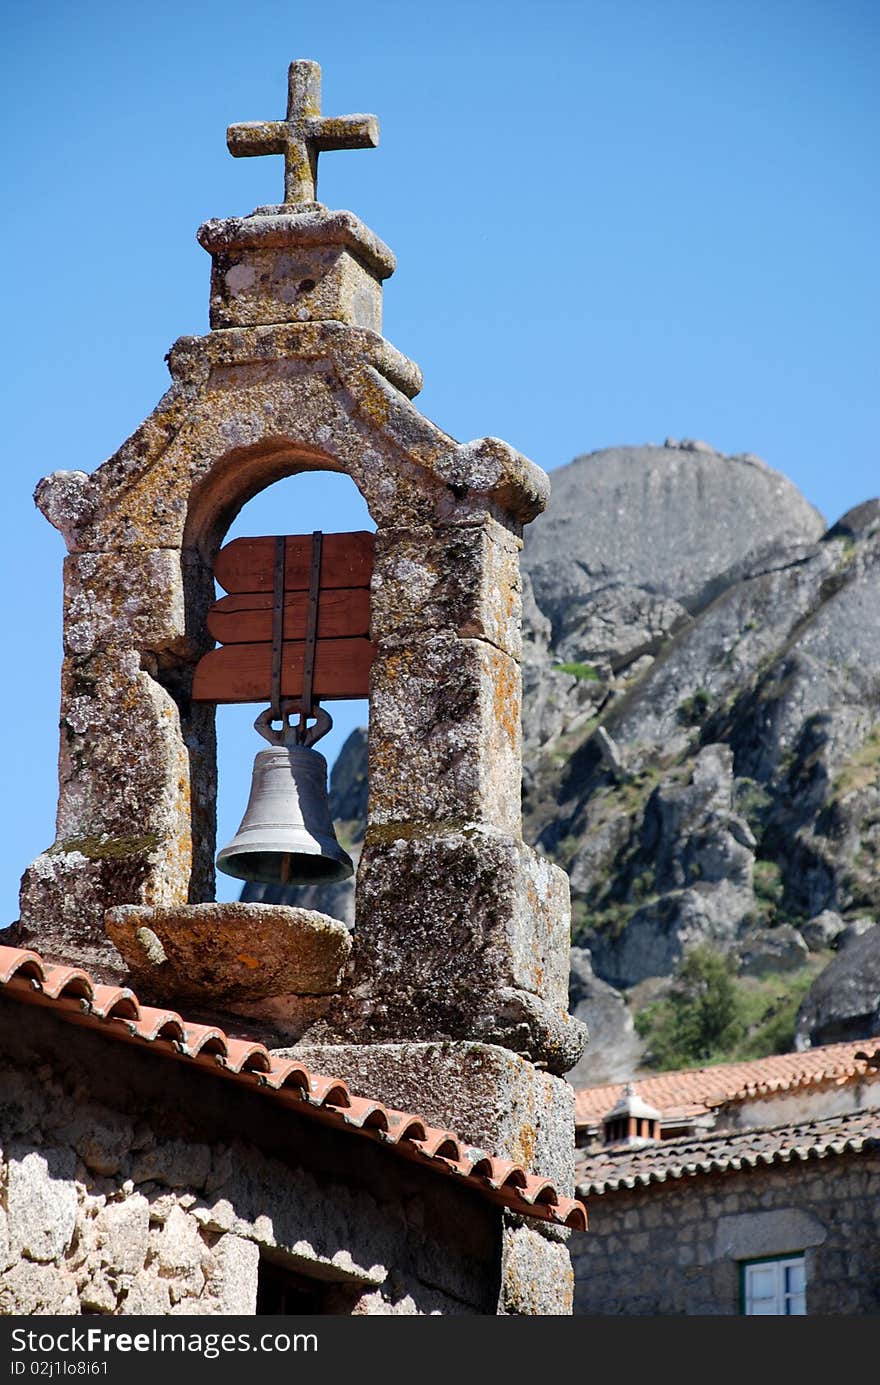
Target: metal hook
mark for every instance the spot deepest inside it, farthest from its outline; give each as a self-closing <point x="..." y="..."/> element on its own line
<point x="301" y="733"/>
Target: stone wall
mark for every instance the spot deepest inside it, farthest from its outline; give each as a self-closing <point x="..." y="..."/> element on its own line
<point x="133" y="1185"/>
<point x="677" y="1248"/>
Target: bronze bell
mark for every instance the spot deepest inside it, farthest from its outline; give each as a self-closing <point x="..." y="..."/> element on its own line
<point x="286" y="836"/>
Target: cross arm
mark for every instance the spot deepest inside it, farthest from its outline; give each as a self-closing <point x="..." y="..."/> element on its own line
<point x="345" y="132"/>
<point x="257" y="137"/>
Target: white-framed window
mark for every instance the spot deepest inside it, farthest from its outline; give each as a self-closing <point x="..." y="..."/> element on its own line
<point x="774" y="1287"/>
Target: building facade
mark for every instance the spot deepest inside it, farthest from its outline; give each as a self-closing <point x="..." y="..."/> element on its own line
<point x="760" y="1197"/>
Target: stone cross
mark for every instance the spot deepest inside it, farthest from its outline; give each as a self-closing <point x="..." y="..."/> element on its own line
<point x="304" y="134"/>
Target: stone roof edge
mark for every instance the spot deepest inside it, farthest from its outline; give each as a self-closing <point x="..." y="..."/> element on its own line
<point x="116" y="1013"/>
<point x="747" y="1161"/>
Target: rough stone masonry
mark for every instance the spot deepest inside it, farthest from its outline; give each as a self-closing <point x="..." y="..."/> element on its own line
<point x="454" y="999"/>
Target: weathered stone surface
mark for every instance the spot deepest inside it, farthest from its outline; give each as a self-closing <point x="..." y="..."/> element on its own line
<point x="6" y="1255"/>
<point x="101" y="1138"/>
<point x="800" y="729"/>
<point x="504" y="913"/>
<point x="41" y="1202"/>
<point x="750" y="1235"/>
<point x="147" y="1296"/>
<point x="657" y="936"/>
<point x="323" y="1227"/>
<point x="123" y="1232"/>
<point x="190" y="1241"/>
<point x="174" y="1163"/>
<point x="232" y="1278"/>
<point x="231" y="951"/>
<point x="768" y="655"/>
<point x="495" y="970"/>
<point x="693" y="860"/>
<point x="617" y="624"/>
<point x="861" y="522"/>
<point x="463" y="580"/>
<point x="97" y="1294"/>
<point x="114" y="600"/>
<point x="45" y="1290"/>
<point x="771" y="950"/>
<point x="640" y="513"/>
<point x="489" y="467"/>
<point x="487" y="1095"/>
<point x="123" y="833"/>
<point x="676" y="1248"/>
<point x="449" y="710"/>
<point x="536" y="1274"/>
<point x="242" y="414"/>
<point x="311" y="266"/>
<point x="614" y="1050"/>
<point x="843" y="1002"/>
<point x="853" y="930"/>
<point x="180" y="1250"/>
<point x="823" y="930"/>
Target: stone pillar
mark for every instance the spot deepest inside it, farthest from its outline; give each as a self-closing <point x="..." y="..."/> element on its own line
<point x="462" y="931"/>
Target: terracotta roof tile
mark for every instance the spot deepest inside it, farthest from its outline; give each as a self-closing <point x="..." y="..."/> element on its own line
<point x="694" y="1090"/>
<point x="116" y="1012"/>
<point x="623" y="1167"/>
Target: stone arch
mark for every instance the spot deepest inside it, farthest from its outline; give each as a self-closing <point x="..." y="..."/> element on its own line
<point x="217" y="497"/>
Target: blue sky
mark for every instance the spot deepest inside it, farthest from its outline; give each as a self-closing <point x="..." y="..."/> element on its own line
<point x="613" y="222"/>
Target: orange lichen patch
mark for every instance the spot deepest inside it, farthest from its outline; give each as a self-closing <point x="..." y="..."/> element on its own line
<point x="372" y="400"/>
<point x="528" y="1141"/>
<point x="506" y="698"/>
<point x="250" y="962"/>
<point x="313" y="1095"/>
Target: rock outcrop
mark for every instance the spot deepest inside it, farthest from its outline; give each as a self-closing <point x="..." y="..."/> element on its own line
<point x="843" y="1002"/>
<point x="743" y="791"/>
<point x="614" y="1050"/>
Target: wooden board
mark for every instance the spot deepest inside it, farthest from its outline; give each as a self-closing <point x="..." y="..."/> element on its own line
<point x="248" y="565"/>
<point x="246" y="618"/>
<point x="243" y="672"/>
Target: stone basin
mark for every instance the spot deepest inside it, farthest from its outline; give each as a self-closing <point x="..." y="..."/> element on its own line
<point x="230" y="952"/>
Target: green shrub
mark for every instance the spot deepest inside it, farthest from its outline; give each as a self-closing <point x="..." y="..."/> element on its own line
<point x="769" y="888"/>
<point x="700" y="1018"/>
<point x="753" y="801"/>
<point x="586" y="672"/>
<point x="693" y="710"/>
<point x="712" y="1016"/>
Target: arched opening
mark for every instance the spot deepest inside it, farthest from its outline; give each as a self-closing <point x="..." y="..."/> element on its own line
<point x="298" y="504"/>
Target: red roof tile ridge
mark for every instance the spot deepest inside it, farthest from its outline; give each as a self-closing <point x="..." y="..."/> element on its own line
<point x="115" y="1011"/>
<point x="19" y="961"/>
<point x="730" y="1082"/>
<point x="115" y="1002"/>
<point x="70" y="981"/>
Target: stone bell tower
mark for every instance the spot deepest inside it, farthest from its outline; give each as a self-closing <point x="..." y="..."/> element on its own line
<point x="454" y="998"/>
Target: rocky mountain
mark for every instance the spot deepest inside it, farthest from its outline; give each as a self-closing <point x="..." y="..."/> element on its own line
<point x="701" y="721"/>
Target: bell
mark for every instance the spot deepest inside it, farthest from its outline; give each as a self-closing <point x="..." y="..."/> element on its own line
<point x="286" y="836"/>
